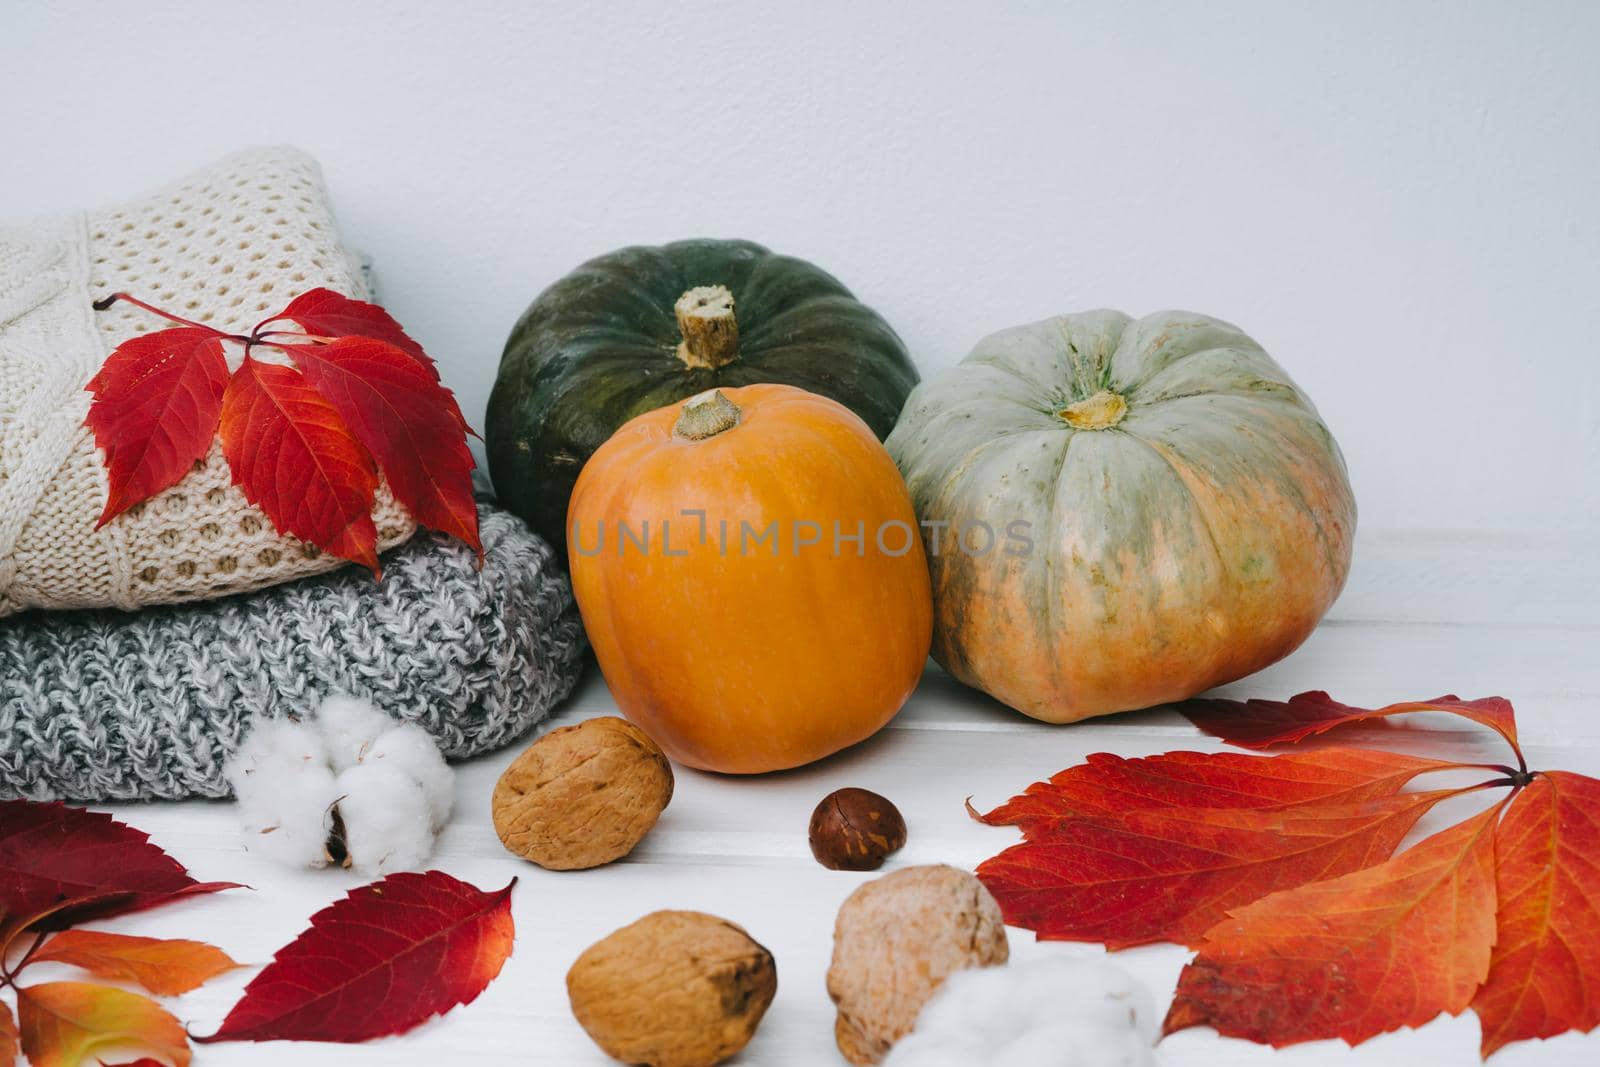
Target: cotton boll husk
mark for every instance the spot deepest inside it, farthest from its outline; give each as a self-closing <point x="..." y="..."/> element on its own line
<point x="285" y="791"/>
<point x="410" y="749"/>
<point x="1057" y="1012"/>
<point x="349" y="726"/>
<point x="388" y="825"/>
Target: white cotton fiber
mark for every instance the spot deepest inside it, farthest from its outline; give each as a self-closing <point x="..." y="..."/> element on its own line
<point x="350" y="726"/>
<point x="1055" y="1012"/>
<point x="285" y="789"/>
<point x="388" y="783"/>
<point x="387" y="824"/>
<point x="410" y="749"/>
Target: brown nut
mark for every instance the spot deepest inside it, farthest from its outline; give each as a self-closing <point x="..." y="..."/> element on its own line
<point x="675" y="989"/>
<point x="896" y="940"/>
<point x="855" y="829"/>
<point x="582" y="795"/>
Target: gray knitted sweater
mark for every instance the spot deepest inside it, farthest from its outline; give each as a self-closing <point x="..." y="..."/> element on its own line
<point x="102" y="705"/>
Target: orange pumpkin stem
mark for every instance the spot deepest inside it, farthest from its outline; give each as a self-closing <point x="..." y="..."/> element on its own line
<point x="710" y="331"/>
<point x="706" y="415"/>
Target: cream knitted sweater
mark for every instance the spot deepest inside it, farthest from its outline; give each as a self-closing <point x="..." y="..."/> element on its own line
<point x="226" y="246"/>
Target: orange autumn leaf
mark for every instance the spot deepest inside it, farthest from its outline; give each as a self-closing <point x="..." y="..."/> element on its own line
<point x="1545" y="975"/>
<point x="63" y="1023"/>
<point x="1385" y="947"/>
<point x="8" y="1037"/>
<point x="165" y="967"/>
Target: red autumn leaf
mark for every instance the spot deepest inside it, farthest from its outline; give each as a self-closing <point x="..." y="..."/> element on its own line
<point x="307" y="445"/>
<point x="387" y="958"/>
<point x="1111" y="784"/>
<point x="1544" y="978"/>
<point x="1385" y="947"/>
<point x="409" y="423"/>
<point x="1264" y="723"/>
<point x="51" y="853"/>
<point x="295" y="458"/>
<point x="63" y="1023"/>
<point x="156" y="404"/>
<point x="166" y="968"/>
<point x="1172" y="874"/>
<point x="9" y="1038"/>
<point x="325" y="313"/>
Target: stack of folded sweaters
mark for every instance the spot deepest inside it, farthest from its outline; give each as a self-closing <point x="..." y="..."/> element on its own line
<point x="132" y="656"/>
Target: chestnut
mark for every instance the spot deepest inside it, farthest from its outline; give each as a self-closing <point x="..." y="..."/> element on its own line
<point x="855" y="829"/>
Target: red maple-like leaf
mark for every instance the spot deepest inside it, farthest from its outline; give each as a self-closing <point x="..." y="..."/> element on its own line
<point x="329" y="314"/>
<point x="387" y="958"/>
<point x="1545" y="974"/>
<point x="1385" y="947"/>
<point x="410" y="423"/>
<point x="1274" y="868"/>
<point x="1172" y="874"/>
<point x="1264" y="723"/>
<point x="306" y="445"/>
<point x="157" y="401"/>
<point x="52" y="855"/>
<point x="294" y="458"/>
<point x="1110" y="784"/>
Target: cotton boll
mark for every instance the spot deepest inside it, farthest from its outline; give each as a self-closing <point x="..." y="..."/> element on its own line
<point x="272" y="747"/>
<point x="292" y="826"/>
<point x="388" y="825"/>
<point x="410" y="749"/>
<point x="1056" y="1012"/>
<point x="349" y="726"/>
<point x="285" y="790"/>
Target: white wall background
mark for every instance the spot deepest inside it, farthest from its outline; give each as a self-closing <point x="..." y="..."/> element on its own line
<point x="1400" y="200"/>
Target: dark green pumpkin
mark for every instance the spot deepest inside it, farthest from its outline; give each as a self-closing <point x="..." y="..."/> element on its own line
<point x="604" y="344"/>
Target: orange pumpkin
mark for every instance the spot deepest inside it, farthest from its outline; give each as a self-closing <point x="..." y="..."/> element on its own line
<point x="751" y="577"/>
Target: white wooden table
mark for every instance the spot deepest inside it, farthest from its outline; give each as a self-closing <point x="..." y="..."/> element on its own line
<point x="1423" y="615"/>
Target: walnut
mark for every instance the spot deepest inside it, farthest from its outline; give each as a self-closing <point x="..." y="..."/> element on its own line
<point x="675" y="989"/>
<point x="895" y="941"/>
<point x="582" y="795"/>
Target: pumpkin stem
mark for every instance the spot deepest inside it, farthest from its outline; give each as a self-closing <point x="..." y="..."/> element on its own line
<point x="710" y="332"/>
<point x="706" y="415"/>
<point x="1098" y="412"/>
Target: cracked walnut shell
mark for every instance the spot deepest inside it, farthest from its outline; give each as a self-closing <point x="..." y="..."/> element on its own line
<point x="896" y="940"/>
<point x="675" y="989"/>
<point x="582" y="795"/>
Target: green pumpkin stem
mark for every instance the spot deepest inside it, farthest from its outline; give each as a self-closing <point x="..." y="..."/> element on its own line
<point x="706" y="415"/>
<point x="1098" y="412"/>
<point x="710" y="331"/>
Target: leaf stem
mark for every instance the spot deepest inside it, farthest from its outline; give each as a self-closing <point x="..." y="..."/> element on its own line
<point x="105" y="302"/>
<point x="266" y="338"/>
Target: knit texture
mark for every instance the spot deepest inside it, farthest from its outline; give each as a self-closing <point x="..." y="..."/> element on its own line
<point x="103" y="705"/>
<point x="227" y="246"/>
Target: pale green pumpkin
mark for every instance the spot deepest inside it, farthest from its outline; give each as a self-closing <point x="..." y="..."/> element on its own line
<point x="1167" y="511"/>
